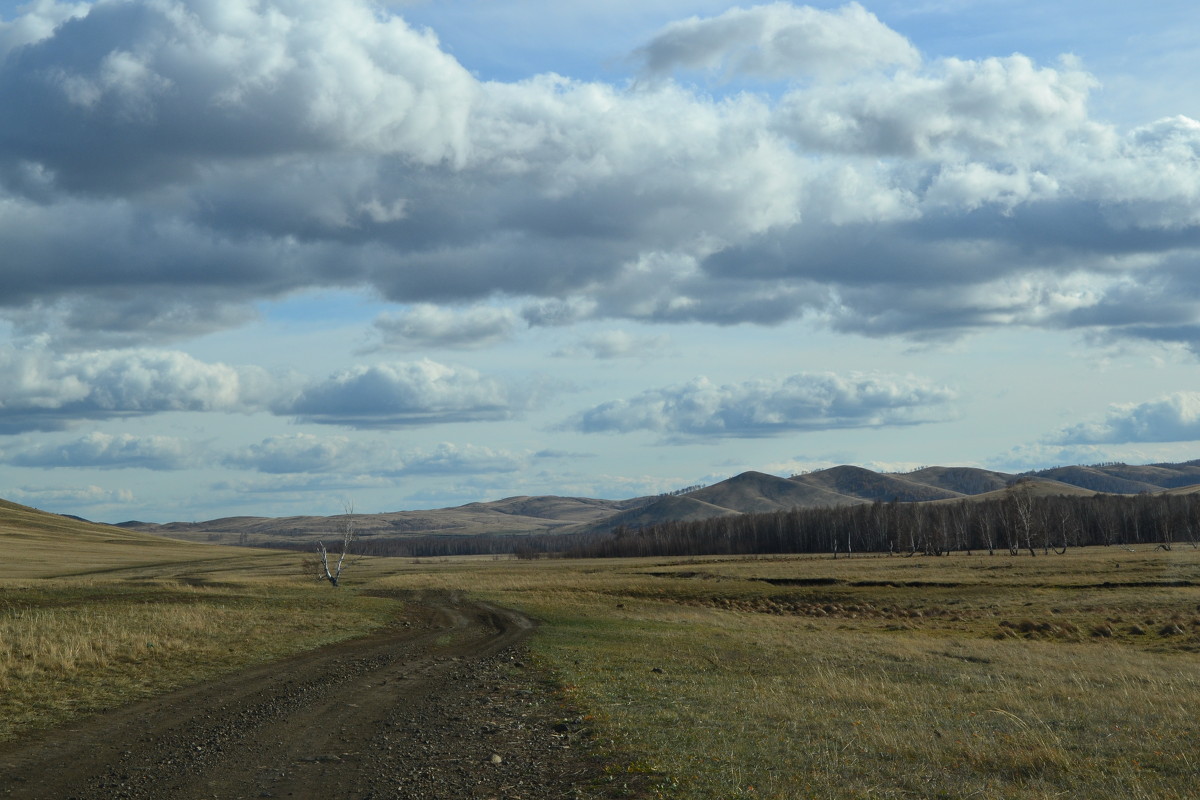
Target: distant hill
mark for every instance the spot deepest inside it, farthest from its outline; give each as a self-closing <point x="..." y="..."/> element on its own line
<point x="1097" y="480"/>
<point x="39" y="544"/>
<point x="1126" y="478"/>
<point x="513" y="515"/>
<point x="963" y="480"/>
<point x="758" y="491"/>
<point x="749" y="492"/>
<point x="865" y="485"/>
<point x="1039" y="487"/>
<point x="671" y="508"/>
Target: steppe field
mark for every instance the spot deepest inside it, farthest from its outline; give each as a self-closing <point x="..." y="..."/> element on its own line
<point x="1073" y="675"/>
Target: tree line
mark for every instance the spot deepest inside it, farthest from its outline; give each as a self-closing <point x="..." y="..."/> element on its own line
<point x="1018" y="522"/>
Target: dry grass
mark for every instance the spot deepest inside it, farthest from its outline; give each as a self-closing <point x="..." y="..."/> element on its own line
<point x="93" y="616"/>
<point x="74" y="647"/>
<point x="875" y="677"/>
<point x="989" y="677"/>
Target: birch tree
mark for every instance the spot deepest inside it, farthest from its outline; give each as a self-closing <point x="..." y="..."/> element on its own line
<point x="319" y="566"/>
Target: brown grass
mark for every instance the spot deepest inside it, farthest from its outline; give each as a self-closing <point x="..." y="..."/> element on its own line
<point x="875" y="677"/>
<point x="798" y="677"/>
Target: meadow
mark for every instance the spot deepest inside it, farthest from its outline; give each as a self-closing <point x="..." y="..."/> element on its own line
<point x="784" y="677"/>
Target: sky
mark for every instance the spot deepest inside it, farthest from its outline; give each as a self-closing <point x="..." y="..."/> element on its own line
<point x="269" y="258"/>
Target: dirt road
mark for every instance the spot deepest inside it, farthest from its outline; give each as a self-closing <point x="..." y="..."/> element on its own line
<point x="439" y="705"/>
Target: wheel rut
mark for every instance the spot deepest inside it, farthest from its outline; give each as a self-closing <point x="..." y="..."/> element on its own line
<point x="441" y="704"/>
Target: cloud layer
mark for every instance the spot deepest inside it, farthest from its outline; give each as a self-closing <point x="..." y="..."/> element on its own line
<point x="1172" y="418"/>
<point x="41" y="391"/>
<point x="802" y="402"/>
<point x="212" y="155"/>
<point x="779" y="40"/>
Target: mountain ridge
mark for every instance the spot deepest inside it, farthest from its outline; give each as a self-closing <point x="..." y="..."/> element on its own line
<point x="745" y="493"/>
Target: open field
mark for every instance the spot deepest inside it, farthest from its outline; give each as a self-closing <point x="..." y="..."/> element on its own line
<point x="92" y="617"/>
<point x="961" y="676"/>
<point x="999" y="677"/>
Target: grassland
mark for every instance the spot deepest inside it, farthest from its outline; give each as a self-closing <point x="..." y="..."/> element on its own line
<point x="92" y="617"/>
<point x="962" y="676"/>
<point x="996" y="677"/>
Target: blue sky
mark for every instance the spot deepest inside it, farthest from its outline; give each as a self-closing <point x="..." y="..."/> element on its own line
<point x="263" y="258"/>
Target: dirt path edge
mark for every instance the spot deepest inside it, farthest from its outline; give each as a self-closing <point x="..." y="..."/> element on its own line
<point x="440" y="704"/>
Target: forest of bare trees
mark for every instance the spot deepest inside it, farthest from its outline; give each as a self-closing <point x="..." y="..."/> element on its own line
<point x="1019" y="522"/>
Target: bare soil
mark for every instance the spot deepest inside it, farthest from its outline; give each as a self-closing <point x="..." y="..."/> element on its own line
<point x="441" y="704"/>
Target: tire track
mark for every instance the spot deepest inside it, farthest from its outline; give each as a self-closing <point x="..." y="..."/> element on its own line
<point x="419" y="710"/>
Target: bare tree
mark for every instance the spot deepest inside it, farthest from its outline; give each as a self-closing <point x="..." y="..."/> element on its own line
<point x="318" y="566"/>
<point x="1019" y="497"/>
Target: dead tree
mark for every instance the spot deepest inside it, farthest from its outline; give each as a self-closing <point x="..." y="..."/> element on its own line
<point x="319" y="566"/>
<point x="1020" y="500"/>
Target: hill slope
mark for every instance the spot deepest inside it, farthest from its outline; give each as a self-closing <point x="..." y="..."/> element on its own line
<point x="963" y="480"/>
<point x="758" y="491"/>
<point x="520" y="515"/>
<point x="749" y="492"/>
<point x="865" y="485"/>
<point x="38" y="544"/>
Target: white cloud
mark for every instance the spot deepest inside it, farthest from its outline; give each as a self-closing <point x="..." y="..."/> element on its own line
<point x="1172" y="418"/>
<point x="614" y="344"/>
<point x="308" y="453"/>
<point x="107" y="451"/>
<point x="452" y="459"/>
<point x="42" y="391"/>
<point x="772" y="407"/>
<point x="195" y="159"/>
<point x="428" y="325"/>
<point x="779" y="40"/>
<point x="90" y="496"/>
<point x="157" y="84"/>
<point x="36" y="22"/>
<point x="402" y="394"/>
<point x="954" y="109"/>
<point x="298" y="453"/>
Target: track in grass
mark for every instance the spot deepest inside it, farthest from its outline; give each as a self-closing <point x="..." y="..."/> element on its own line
<point x="438" y="705"/>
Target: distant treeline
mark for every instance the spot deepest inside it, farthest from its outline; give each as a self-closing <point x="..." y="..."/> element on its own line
<point x="421" y="546"/>
<point x="1019" y="522"/>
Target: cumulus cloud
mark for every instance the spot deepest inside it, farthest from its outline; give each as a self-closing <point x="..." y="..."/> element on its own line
<point x="614" y="344"/>
<point x="1171" y="418"/>
<point x="779" y="40"/>
<point x="771" y="407"/>
<point x="41" y="391"/>
<point x="403" y="394"/>
<point x="108" y="451"/>
<point x="295" y="453"/>
<point x="310" y="454"/>
<point x="453" y="459"/>
<point x="952" y="110"/>
<point x="195" y="158"/>
<point x="154" y="86"/>
<point x="90" y="496"/>
<point x="427" y="325"/>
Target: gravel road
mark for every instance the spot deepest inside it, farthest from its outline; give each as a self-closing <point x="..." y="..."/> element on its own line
<point x="441" y="704"/>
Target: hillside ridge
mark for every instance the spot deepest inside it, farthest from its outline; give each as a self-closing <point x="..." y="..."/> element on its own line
<point x="745" y="493"/>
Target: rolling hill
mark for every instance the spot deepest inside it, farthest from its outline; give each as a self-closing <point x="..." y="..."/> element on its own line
<point x="38" y="544"/>
<point x="520" y="515"/>
<point x="749" y="492"/>
<point x="866" y="485"/>
<point x="758" y="491"/>
<point x="963" y="480"/>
